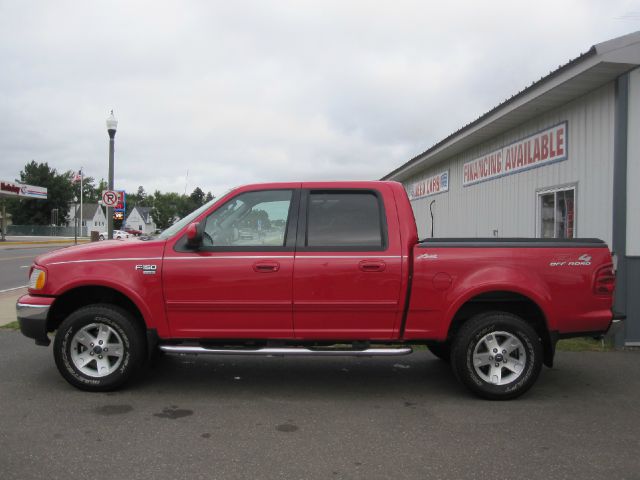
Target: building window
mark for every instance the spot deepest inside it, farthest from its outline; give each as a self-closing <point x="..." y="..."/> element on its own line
<point x="556" y="213"/>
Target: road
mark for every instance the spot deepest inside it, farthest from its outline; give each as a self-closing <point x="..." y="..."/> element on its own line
<point x="340" y="418"/>
<point x="15" y="261"/>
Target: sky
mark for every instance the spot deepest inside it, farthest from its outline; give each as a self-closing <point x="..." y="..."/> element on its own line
<point x="219" y="94"/>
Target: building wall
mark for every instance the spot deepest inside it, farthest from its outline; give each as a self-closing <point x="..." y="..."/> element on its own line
<point x="99" y="221"/>
<point x="632" y="261"/>
<point x="134" y="220"/>
<point x="509" y="204"/>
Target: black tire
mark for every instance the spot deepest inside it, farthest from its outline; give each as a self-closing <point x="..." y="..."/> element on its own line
<point x="119" y="329"/>
<point x="515" y="372"/>
<point x="442" y="350"/>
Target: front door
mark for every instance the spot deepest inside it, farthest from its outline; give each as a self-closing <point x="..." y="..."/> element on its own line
<point x="239" y="283"/>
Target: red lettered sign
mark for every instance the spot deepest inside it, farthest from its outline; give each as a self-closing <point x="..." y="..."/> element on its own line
<point x="540" y="149"/>
<point x="429" y="186"/>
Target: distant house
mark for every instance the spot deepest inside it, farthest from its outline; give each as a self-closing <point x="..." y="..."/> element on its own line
<point x="93" y="217"/>
<point x="140" y="219"/>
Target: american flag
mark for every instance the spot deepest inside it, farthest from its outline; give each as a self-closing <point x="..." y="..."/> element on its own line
<point x="77" y="177"/>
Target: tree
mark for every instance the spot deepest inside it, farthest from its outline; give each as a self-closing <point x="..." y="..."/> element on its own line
<point x="208" y="198"/>
<point x="31" y="211"/>
<point x="89" y="191"/>
<point x="166" y="208"/>
<point x="197" y="197"/>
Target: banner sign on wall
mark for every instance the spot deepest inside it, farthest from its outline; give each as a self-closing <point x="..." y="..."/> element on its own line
<point x="429" y="186"/>
<point x="537" y="150"/>
<point x="22" y="190"/>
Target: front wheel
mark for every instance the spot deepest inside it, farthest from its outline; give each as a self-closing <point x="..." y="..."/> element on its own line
<point x="99" y="348"/>
<point x="497" y="355"/>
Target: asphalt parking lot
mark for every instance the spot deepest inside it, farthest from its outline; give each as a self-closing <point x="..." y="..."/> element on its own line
<point x="235" y="417"/>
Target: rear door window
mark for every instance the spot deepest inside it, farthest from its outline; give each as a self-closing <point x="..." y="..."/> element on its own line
<point x="345" y="219"/>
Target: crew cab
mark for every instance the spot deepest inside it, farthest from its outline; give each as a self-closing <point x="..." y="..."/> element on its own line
<point x="323" y="269"/>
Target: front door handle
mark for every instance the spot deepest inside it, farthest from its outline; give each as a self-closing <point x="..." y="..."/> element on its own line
<point x="266" y="267"/>
<point x="372" y="265"/>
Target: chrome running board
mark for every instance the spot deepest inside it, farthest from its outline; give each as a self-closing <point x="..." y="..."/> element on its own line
<point x="297" y="351"/>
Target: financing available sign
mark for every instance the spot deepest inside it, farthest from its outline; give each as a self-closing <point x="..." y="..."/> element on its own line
<point x="13" y="189"/>
<point x="537" y="150"/>
<point x="429" y="186"/>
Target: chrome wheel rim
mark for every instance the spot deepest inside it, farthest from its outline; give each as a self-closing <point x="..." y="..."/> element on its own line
<point x="499" y="358"/>
<point x="97" y="350"/>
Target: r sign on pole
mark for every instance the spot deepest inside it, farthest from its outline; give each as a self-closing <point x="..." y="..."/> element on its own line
<point x="110" y="198"/>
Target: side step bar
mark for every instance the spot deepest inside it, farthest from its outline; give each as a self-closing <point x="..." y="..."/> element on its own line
<point x="297" y="351"/>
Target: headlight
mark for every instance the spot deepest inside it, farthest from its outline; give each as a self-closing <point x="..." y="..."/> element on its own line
<point x="37" y="279"/>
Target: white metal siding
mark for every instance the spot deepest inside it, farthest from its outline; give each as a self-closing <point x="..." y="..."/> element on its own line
<point x="508" y="204"/>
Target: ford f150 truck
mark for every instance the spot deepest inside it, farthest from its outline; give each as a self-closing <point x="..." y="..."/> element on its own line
<point x="319" y="268"/>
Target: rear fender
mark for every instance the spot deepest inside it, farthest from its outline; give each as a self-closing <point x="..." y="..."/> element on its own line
<point x="499" y="279"/>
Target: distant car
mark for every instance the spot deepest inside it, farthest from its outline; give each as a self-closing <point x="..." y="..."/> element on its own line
<point x="117" y="235"/>
<point x="133" y="231"/>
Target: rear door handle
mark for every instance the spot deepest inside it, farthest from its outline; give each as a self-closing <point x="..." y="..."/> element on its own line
<point x="372" y="265"/>
<point x="266" y="267"/>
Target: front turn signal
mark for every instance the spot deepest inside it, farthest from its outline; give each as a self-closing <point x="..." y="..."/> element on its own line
<point x="37" y="279"/>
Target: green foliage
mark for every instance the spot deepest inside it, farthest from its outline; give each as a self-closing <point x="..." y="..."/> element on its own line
<point x="60" y="192"/>
<point x="169" y="207"/>
<point x="165" y="207"/>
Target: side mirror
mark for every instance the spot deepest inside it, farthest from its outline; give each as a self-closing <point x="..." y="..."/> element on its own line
<point x="194" y="235"/>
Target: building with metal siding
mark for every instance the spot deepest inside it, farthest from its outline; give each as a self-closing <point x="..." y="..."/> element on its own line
<point x="558" y="159"/>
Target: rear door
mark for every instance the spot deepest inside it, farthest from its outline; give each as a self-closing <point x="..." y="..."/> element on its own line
<point x="348" y="267"/>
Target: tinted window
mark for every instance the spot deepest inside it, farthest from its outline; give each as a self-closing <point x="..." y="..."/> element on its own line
<point x="252" y="219"/>
<point x="344" y="220"/>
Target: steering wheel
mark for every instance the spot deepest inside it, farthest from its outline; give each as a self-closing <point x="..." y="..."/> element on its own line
<point x="206" y="239"/>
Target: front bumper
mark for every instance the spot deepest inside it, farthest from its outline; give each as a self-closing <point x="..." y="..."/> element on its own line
<point x="32" y="315"/>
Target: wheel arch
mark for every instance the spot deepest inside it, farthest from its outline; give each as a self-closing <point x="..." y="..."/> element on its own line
<point x="78" y="297"/>
<point x="512" y="302"/>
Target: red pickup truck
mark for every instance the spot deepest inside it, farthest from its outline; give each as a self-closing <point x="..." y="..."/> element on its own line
<point x="319" y="268"/>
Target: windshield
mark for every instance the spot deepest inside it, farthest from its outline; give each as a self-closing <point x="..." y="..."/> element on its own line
<point x="186" y="220"/>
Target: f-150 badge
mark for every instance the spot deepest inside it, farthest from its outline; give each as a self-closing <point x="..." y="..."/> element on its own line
<point x="147" y="269"/>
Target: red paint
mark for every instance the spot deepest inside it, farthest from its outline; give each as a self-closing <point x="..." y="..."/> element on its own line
<point x="333" y="295"/>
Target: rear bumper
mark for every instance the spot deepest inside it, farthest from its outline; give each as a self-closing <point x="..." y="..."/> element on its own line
<point x="32" y="313"/>
<point x="616" y="323"/>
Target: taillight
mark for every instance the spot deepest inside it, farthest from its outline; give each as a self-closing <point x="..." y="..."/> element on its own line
<point x="605" y="281"/>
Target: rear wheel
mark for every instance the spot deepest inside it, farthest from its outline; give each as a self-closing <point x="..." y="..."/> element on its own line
<point x="497" y="355"/>
<point x="99" y="348"/>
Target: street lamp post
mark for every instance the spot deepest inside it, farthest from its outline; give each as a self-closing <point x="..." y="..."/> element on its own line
<point x="112" y="124"/>
<point x="75" y="220"/>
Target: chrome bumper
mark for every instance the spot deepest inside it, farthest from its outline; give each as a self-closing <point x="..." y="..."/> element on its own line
<point x="33" y="321"/>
